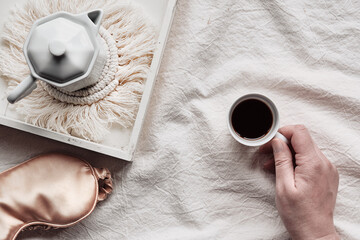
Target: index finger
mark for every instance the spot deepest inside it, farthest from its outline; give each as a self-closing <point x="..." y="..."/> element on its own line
<point x="300" y="139"/>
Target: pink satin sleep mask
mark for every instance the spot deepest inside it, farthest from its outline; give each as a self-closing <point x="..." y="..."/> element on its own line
<point x="51" y="190"/>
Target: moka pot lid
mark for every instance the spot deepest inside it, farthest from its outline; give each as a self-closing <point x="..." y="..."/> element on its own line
<point x="62" y="48"/>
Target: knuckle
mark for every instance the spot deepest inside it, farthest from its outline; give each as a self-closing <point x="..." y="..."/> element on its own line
<point x="300" y="127"/>
<point x="330" y="166"/>
<point x="336" y="172"/>
<point x="285" y="194"/>
<point x="292" y="196"/>
<point x="281" y="161"/>
<point x="318" y="167"/>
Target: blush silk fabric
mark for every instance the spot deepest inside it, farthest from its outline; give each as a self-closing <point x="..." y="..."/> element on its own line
<point x="52" y="190"/>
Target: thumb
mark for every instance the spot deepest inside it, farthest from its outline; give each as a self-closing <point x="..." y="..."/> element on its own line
<point x="284" y="168"/>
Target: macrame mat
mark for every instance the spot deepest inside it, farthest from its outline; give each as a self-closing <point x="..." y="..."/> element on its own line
<point x="105" y="73"/>
<point x="128" y="40"/>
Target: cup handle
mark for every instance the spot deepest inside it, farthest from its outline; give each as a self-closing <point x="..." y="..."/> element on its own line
<point x="22" y="90"/>
<point x="282" y="137"/>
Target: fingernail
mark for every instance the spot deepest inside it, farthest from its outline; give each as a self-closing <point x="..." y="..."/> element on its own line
<point x="277" y="146"/>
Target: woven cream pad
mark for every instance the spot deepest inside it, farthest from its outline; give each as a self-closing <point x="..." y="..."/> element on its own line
<point x="128" y="40"/>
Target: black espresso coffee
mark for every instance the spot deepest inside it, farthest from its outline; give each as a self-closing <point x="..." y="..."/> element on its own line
<point x="252" y="119"/>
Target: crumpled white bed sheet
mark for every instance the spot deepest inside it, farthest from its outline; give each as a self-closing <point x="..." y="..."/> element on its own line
<point x="190" y="180"/>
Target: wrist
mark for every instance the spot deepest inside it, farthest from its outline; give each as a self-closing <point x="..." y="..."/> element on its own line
<point x="318" y="233"/>
<point x="333" y="236"/>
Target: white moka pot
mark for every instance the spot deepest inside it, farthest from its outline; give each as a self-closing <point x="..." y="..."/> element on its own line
<point x="61" y="49"/>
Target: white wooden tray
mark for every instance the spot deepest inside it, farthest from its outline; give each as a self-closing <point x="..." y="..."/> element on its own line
<point x="121" y="143"/>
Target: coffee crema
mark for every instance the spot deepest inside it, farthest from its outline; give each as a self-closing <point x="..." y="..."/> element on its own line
<point x="252" y="119"/>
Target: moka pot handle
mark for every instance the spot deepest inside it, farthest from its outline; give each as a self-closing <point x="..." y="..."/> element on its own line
<point x="22" y="90"/>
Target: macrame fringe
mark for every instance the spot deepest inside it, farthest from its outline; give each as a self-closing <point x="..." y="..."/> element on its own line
<point x="135" y="42"/>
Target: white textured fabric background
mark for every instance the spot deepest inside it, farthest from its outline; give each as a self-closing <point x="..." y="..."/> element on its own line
<point x="190" y="180"/>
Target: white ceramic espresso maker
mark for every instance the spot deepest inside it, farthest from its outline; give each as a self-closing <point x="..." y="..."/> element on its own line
<point x="61" y="49"/>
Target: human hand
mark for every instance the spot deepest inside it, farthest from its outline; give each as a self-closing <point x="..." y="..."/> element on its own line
<point x="306" y="194"/>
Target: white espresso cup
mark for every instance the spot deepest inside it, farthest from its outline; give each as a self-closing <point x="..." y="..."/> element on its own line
<point x="272" y="129"/>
